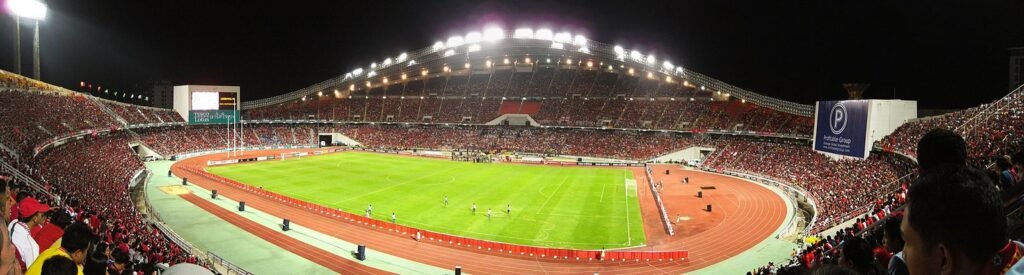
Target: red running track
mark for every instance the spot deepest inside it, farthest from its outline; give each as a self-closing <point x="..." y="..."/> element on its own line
<point x="744" y="215"/>
<point x="314" y="254"/>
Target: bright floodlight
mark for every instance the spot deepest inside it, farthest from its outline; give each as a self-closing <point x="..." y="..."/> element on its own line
<point x="579" y="40"/>
<point x="373" y="65"/>
<point x="27" y="8"/>
<point x="619" y="50"/>
<point x="387" y="62"/>
<point x="449" y="53"/>
<point x="584" y="50"/>
<point x="650" y="59"/>
<point x="544" y="34"/>
<point x="357" y="71"/>
<point x="473" y="37"/>
<point x="474" y="48"/>
<point x="401" y="58"/>
<point x="455" y="41"/>
<point x="557" y="45"/>
<point x="438" y="46"/>
<point x="635" y="55"/>
<point x="494" y="34"/>
<point x="667" y="65"/>
<point x="371" y="74"/>
<point x="563" y="37"/>
<point x="523" y="33"/>
<point x="679" y="69"/>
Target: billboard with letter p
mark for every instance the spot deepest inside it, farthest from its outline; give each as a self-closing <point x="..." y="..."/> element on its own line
<point x="841" y="128"/>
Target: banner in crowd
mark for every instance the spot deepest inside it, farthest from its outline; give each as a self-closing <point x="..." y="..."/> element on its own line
<point x="841" y="128"/>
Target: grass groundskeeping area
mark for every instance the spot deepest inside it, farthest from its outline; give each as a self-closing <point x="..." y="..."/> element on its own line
<point x="564" y="207"/>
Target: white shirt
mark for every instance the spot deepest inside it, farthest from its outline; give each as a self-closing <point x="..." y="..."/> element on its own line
<point x="23" y="241"/>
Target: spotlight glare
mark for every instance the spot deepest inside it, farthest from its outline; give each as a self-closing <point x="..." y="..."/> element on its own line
<point x="455" y="41"/>
<point x="523" y="33"/>
<point x="473" y="37"/>
<point x="563" y="37"/>
<point x="579" y="40"/>
<point x="494" y="34"/>
<point x="543" y="34"/>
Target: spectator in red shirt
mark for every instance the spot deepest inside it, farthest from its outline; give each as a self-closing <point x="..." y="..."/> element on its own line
<point x="53" y="229"/>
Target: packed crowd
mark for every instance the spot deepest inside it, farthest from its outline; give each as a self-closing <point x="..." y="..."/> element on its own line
<point x="628" y="145"/>
<point x="30" y="118"/>
<point x="96" y="196"/>
<point x="988" y="129"/>
<point x="169" y="141"/>
<point x="953" y="204"/>
<point x="829" y="181"/>
<point x="135" y="114"/>
<point x="618" y="112"/>
<point x="568" y="97"/>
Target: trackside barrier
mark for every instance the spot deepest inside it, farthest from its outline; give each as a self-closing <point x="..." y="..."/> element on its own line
<point x="657" y="198"/>
<point x="440" y="238"/>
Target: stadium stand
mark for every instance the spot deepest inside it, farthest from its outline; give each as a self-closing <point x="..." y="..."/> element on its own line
<point x="628" y="145"/>
<point x="36" y="113"/>
<point x="990" y="129"/>
<point x="827" y="180"/>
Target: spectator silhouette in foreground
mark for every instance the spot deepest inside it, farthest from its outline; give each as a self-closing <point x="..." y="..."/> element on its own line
<point x="955" y="224"/>
<point x="59" y="266"/>
<point x="938" y="147"/>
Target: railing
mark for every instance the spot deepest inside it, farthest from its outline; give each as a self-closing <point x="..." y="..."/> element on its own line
<point x="657" y="199"/>
<point x="469" y="243"/>
<point x="18" y="175"/>
<point x="232" y="268"/>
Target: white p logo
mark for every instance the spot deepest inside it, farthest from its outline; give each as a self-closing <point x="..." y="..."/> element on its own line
<point x="837" y="118"/>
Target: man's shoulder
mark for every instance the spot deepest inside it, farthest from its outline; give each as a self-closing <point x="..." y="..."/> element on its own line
<point x="1018" y="267"/>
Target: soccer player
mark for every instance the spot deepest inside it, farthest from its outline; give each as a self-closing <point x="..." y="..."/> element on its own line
<point x="474" y="208"/>
<point x="369" y="209"/>
<point x="508" y="210"/>
<point x="488" y="214"/>
<point x="445" y="201"/>
<point x="392" y="217"/>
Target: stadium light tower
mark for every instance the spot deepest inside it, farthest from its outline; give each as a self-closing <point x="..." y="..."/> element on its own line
<point x="31" y="9"/>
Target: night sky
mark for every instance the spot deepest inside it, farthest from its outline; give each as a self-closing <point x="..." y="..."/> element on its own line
<point x="945" y="54"/>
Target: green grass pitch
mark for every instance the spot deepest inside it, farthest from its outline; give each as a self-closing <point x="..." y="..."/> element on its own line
<point x="564" y="207"/>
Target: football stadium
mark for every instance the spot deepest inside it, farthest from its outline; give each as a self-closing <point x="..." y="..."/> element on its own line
<point x="496" y="148"/>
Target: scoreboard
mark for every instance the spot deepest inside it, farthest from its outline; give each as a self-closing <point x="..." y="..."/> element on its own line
<point x="202" y="101"/>
<point x="205" y="104"/>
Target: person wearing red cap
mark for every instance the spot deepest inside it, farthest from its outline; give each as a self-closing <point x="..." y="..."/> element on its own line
<point x="31" y="213"/>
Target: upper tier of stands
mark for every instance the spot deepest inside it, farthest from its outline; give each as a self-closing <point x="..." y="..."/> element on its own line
<point x="992" y="129"/>
<point x="553" y="97"/>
